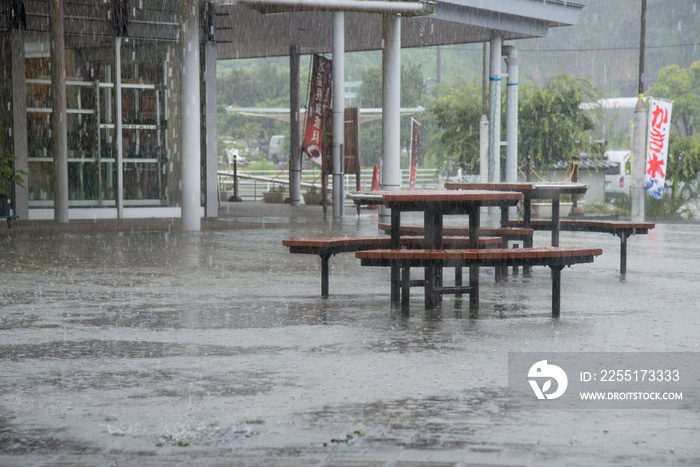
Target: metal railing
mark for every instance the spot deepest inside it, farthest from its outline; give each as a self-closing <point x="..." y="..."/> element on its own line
<point x="253" y="183"/>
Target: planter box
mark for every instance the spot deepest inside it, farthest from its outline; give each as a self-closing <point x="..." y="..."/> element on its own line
<point x="274" y="196"/>
<point x="313" y="199"/>
<point x="545" y="209"/>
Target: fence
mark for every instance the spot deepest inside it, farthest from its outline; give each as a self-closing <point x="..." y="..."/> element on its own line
<point x="253" y="183"/>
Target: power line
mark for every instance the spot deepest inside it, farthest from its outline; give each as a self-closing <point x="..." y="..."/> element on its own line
<point x="590" y="49"/>
<point x="603" y="49"/>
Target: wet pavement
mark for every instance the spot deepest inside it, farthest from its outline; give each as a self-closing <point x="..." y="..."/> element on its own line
<point x="145" y="345"/>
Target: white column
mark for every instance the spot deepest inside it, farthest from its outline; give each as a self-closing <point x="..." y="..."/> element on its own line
<point x="118" y="131"/>
<point x="294" y="131"/>
<point x="495" y="110"/>
<point x="637" y="190"/>
<point x="59" y="123"/>
<point x="20" y="202"/>
<point x="512" y="114"/>
<point x="212" y="205"/>
<point x="338" y="112"/>
<point x="391" y="106"/>
<point x="190" y="116"/>
<point x="484" y="149"/>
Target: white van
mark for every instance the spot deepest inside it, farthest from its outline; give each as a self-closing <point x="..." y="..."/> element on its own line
<point x="276" y="150"/>
<point x="618" y="179"/>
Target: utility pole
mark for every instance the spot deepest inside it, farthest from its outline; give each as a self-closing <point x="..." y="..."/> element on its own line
<point x="638" y="151"/>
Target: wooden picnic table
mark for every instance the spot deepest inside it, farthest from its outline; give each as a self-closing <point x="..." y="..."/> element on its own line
<point x="541" y="190"/>
<point x="435" y="204"/>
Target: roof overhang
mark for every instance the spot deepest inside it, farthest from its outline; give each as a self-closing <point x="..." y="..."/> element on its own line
<point x="266" y="28"/>
<point x="245" y="30"/>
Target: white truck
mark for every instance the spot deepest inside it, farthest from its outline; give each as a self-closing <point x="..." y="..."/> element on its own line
<point x="618" y="178"/>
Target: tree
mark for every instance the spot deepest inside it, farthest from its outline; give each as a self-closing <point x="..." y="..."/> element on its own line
<point x="370" y="96"/>
<point x="683" y="88"/>
<point x="457" y="113"/>
<point x="265" y="85"/>
<point x="551" y="121"/>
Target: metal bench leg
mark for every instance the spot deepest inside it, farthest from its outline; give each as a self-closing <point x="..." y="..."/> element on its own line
<point x="324" y="274"/>
<point x="556" y="290"/>
<point x="474" y="292"/>
<point x="458" y="280"/>
<point x="405" y="289"/>
<point x="395" y="284"/>
<point x="623" y="252"/>
<point x="430" y="295"/>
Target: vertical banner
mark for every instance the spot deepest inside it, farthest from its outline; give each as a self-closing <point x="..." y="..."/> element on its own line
<point x="657" y="146"/>
<point x="415" y="139"/>
<point x="319" y="101"/>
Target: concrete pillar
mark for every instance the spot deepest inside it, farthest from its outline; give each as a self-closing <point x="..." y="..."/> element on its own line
<point x="391" y="107"/>
<point x="484" y="149"/>
<point x="212" y="159"/>
<point x="495" y="110"/>
<point x="118" y="130"/>
<point x="338" y="112"/>
<point x="637" y="190"/>
<point x="511" y="54"/>
<point x="294" y="131"/>
<point x="20" y="202"/>
<point x="59" y="122"/>
<point x="190" y="116"/>
<point x="484" y="123"/>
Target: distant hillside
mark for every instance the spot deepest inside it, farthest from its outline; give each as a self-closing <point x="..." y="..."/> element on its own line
<point x="605" y="44"/>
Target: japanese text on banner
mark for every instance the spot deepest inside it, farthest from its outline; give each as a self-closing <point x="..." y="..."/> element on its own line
<point x="319" y="101"/>
<point x="657" y="146"/>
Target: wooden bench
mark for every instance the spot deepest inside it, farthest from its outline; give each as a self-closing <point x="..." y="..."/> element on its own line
<point x="506" y="233"/>
<point x="325" y="247"/>
<point x="620" y="228"/>
<point x="554" y="257"/>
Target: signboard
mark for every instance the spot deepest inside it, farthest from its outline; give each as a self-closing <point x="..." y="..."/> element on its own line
<point x="351" y="162"/>
<point x="657" y="146"/>
<point x="319" y="102"/>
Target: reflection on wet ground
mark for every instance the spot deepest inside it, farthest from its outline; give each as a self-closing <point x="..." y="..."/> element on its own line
<point x="164" y="346"/>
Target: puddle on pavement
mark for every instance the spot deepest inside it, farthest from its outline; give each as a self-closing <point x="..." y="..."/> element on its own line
<point x="153" y="338"/>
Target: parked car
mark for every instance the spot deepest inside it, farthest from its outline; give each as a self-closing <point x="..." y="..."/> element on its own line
<point x="618" y="177"/>
<point x="278" y="150"/>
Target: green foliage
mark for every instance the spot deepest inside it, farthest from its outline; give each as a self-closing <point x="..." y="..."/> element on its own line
<point x="665" y="208"/>
<point x="370" y="96"/>
<point x="683" y="88"/>
<point x="683" y="159"/>
<point x="551" y="122"/>
<point x="457" y="113"/>
<point x="261" y="165"/>
<point x="265" y="84"/>
<point x="8" y="176"/>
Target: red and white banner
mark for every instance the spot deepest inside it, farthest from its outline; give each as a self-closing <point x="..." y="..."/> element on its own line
<point x="657" y="146"/>
<point x="415" y="139"/>
<point x="319" y="101"/>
